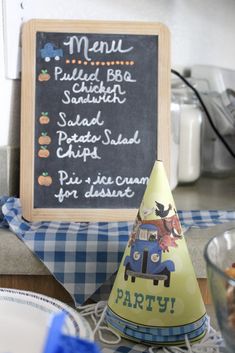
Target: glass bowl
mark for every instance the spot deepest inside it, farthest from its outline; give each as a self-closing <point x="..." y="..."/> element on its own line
<point x="220" y="256"/>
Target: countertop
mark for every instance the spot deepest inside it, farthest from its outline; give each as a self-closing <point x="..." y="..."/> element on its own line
<point x="206" y="193"/>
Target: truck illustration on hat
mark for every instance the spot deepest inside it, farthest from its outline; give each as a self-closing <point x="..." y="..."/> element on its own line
<point x="145" y="259"/>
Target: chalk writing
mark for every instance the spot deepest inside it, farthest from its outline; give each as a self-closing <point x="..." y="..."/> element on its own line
<point x="107" y="192"/>
<point x="82" y="44"/>
<point x="80" y="152"/>
<point x="93" y="190"/>
<point x="120" y="140"/>
<point x="66" y="194"/>
<point x="65" y="179"/>
<point x="110" y="95"/>
<point x="78" y="121"/>
<point x="97" y="145"/>
<point x="76" y="75"/>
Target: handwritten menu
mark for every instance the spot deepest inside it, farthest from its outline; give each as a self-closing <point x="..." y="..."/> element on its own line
<point x="95" y="119"/>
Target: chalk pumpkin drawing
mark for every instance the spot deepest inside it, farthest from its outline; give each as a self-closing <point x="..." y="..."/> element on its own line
<point x="43" y="152"/>
<point x="44" y="118"/>
<point x="44" y="76"/>
<point x="44" y="139"/>
<point x="44" y="179"/>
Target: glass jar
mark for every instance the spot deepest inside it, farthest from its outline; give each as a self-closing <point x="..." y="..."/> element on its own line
<point x="174" y="148"/>
<point x="189" y="160"/>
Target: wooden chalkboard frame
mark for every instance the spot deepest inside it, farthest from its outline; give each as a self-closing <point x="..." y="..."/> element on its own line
<point x="28" y="111"/>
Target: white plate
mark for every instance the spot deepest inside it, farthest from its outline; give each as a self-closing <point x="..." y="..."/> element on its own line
<point x="26" y="316"/>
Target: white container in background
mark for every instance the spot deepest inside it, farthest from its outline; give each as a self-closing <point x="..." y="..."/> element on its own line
<point x="175" y="121"/>
<point x="189" y="165"/>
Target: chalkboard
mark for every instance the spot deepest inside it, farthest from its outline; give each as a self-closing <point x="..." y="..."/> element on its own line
<point x="91" y="124"/>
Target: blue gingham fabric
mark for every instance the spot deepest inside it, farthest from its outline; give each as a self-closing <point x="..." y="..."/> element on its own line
<point x="205" y="218"/>
<point x="84" y="256"/>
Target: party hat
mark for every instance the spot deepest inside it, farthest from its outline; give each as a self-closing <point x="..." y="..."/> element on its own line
<point x="155" y="297"/>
